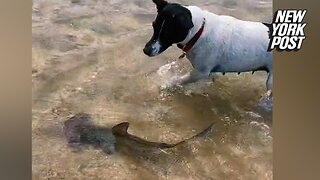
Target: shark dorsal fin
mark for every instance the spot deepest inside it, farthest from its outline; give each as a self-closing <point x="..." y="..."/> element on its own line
<point x="120" y="129"/>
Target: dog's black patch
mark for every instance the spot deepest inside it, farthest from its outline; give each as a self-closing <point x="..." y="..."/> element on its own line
<point x="267" y="24"/>
<point x="171" y="26"/>
<point x="160" y="4"/>
<point x="180" y="46"/>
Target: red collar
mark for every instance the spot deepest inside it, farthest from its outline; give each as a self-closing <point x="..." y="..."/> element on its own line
<point x="192" y="41"/>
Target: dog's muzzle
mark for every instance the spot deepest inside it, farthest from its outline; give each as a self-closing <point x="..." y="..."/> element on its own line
<point x="152" y="49"/>
<point x="147" y="50"/>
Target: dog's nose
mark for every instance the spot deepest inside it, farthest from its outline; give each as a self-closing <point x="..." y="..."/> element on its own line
<point x="147" y="51"/>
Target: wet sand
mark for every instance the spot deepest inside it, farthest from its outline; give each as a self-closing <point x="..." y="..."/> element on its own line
<point x="87" y="57"/>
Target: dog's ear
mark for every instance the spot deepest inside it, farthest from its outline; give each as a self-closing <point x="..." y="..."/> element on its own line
<point x="185" y="21"/>
<point x="160" y="4"/>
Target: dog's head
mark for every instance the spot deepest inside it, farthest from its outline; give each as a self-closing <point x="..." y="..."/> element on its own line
<point x="171" y="26"/>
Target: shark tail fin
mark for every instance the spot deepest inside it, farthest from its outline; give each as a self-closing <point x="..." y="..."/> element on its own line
<point x="200" y="134"/>
<point x="204" y="132"/>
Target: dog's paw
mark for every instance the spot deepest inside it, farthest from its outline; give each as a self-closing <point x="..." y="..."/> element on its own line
<point x="176" y="81"/>
<point x="266" y="101"/>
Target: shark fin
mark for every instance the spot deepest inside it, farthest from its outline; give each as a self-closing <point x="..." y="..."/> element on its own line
<point x="120" y="129"/>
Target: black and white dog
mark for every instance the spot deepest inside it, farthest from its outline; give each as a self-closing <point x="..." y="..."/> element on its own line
<point x="212" y="43"/>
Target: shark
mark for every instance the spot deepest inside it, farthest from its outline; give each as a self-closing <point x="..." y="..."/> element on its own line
<point x="80" y="129"/>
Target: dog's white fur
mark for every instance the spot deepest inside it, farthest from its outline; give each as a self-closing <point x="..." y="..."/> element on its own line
<point x="227" y="44"/>
<point x="156" y="47"/>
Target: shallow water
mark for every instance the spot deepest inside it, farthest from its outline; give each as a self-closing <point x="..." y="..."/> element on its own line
<point x="87" y="57"/>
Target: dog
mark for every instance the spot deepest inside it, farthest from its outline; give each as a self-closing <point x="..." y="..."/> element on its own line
<point x="212" y="43"/>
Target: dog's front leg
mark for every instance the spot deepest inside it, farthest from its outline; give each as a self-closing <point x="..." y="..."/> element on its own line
<point x="191" y="77"/>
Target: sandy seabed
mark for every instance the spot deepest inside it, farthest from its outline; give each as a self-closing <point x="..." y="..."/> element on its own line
<point x="87" y="57"/>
